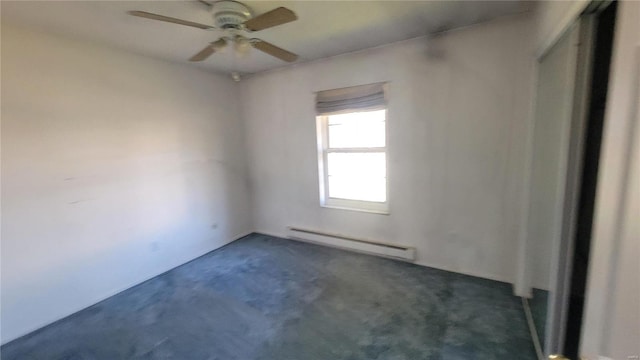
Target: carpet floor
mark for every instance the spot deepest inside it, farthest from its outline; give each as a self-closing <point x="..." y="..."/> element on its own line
<point x="263" y="297"/>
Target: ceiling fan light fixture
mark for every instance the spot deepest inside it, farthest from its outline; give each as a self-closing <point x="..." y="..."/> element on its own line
<point x="242" y="46"/>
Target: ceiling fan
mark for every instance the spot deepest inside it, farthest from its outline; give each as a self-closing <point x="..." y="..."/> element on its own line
<point x="233" y="17"/>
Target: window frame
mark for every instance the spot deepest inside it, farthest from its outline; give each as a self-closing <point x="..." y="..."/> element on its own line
<point x="322" y="125"/>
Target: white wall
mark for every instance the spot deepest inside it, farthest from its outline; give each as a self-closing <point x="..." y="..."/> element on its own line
<point x="458" y="113"/>
<point x="612" y="313"/>
<point x="115" y="168"/>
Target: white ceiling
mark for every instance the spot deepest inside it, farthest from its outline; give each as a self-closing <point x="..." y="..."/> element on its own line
<point x="323" y="28"/>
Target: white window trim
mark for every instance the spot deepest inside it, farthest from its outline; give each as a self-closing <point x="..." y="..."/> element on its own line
<point x="375" y="207"/>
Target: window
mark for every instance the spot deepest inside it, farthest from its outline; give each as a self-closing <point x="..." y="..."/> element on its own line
<point x="352" y="148"/>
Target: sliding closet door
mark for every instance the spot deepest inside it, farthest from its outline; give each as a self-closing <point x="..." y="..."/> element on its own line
<point x="555" y="173"/>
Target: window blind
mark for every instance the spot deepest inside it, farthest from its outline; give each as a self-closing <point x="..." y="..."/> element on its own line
<point x="350" y="99"/>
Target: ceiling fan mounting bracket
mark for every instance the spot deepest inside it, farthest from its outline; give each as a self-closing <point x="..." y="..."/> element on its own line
<point x="229" y="14"/>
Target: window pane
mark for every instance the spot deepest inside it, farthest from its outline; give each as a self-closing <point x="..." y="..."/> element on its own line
<point x="357" y="176"/>
<point x="358" y="129"/>
<point x="351" y="189"/>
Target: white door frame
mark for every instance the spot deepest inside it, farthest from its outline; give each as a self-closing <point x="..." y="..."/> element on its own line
<point x="581" y="33"/>
<point x="562" y="258"/>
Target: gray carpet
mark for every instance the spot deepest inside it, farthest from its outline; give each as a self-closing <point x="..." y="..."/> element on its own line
<point x="268" y="298"/>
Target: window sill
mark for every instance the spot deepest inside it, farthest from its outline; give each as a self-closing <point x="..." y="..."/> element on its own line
<point x="370" y="211"/>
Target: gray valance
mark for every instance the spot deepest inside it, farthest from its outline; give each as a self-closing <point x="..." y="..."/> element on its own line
<point x="354" y="98"/>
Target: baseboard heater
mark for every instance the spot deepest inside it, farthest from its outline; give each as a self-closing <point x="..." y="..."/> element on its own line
<point x="401" y="252"/>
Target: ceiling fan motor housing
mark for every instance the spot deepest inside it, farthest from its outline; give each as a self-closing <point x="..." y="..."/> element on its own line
<point x="230" y="14"/>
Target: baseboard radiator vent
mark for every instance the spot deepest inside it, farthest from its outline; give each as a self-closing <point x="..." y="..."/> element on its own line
<point x="401" y="252"/>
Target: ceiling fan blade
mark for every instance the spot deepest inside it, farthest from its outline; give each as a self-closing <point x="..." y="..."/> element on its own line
<point x="269" y="19"/>
<point x="209" y="50"/>
<point x="204" y="53"/>
<point x="205" y="2"/>
<point x="149" y="15"/>
<point x="273" y="50"/>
